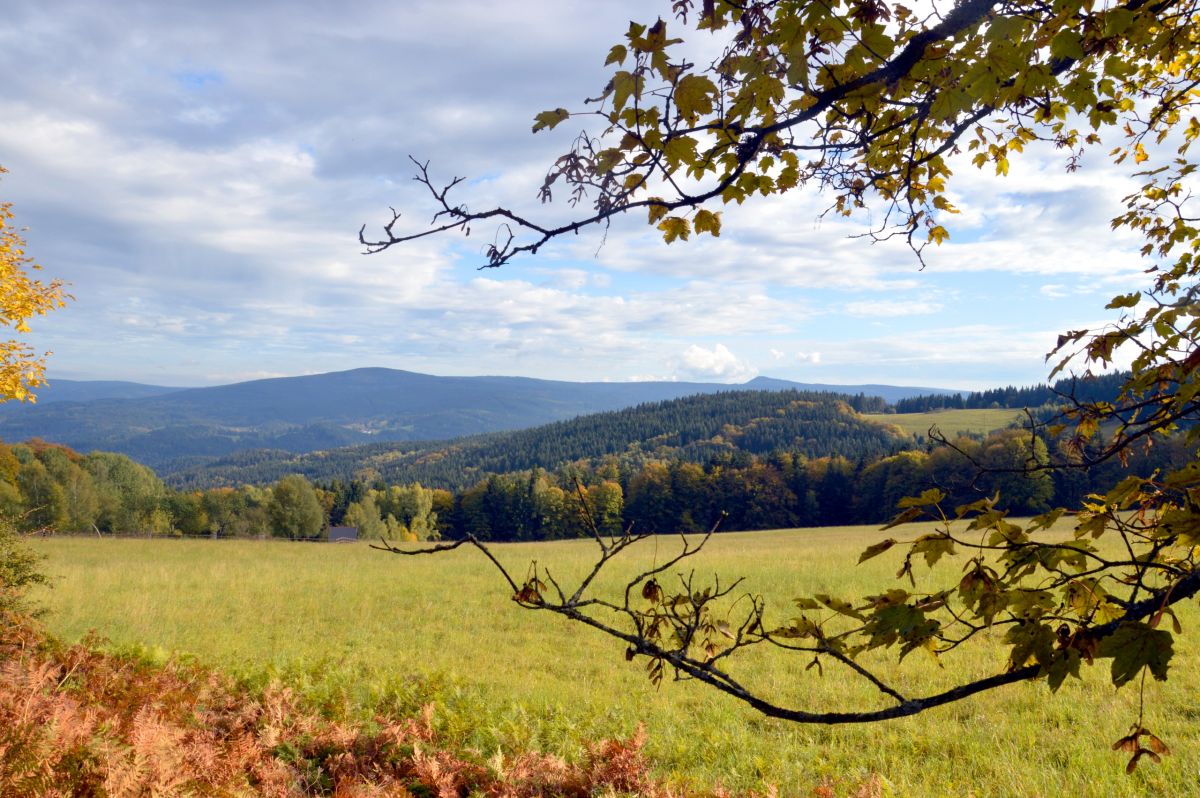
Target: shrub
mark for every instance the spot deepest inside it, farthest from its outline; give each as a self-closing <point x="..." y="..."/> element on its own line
<point x="19" y="569"/>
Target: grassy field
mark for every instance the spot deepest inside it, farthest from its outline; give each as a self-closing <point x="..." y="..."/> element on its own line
<point x="950" y="422"/>
<point x="358" y="631"/>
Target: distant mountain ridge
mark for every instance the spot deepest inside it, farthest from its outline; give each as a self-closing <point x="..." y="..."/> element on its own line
<point x="693" y="428"/>
<point x="889" y="393"/>
<point x="57" y="390"/>
<point x="158" y="425"/>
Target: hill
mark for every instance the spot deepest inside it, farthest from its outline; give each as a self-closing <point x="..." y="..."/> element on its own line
<point x="170" y="428"/>
<point x="888" y="393"/>
<point x="692" y="428"/>
<point x="57" y="390"/>
<point x="973" y="421"/>
<point x="1089" y="388"/>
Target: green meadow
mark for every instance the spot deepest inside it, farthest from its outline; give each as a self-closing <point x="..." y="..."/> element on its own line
<point x="359" y="631"/>
<point x="951" y="422"/>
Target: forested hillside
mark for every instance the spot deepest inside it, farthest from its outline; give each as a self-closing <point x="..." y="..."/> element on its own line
<point x="1100" y="388"/>
<point x="169" y="428"/>
<point x="752" y="460"/>
<point x="694" y="429"/>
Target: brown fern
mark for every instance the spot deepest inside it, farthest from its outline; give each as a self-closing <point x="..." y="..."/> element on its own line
<point x="78" y="721"/>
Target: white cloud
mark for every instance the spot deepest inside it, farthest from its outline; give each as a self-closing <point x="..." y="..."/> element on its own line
<point x="245" y="376"/>
<point x="201" y="186"/>
<point x="873" y="308"/>
<point x="716" y="363"/>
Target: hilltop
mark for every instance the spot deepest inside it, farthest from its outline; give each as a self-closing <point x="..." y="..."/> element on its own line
<point x="170" y="428"/>
<point x="693" y="428"/>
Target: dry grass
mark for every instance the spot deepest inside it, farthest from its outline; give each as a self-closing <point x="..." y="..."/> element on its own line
<point x="355" y="631"/>
<point x="75" y="721"/>
<point x="950" y="422"/>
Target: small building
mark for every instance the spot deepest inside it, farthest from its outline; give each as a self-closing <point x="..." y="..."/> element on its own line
<point x="343" y="534"/>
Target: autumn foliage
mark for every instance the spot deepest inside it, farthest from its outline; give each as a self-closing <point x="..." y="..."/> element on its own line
<point x="77" y="721"/>
<point x="21" y="298"/>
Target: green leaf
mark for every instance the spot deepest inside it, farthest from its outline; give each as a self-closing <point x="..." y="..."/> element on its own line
<point x="839" y="606"/>
<point x="547" y="120"/>
<point x="1005" y="28"/>
<point x="1124" y="301"/>
<point x="1125" y="492"/>
<point x="911" y="514"/>
<point x="1064" y="664"/>
<point x="877" y="39"/>
<point x="1045" y="520"/>
<point x="889" y="599"/>
<point x="800" y="627"/>
<point x="1067" y="44"/>
<point x="1084" y="596"/>
<point x="876" y="549"/>
<point x="606" y="160"/>
<point x="616" y="55"/>
<point x="900" y="623"/>
<point x="933" y="547"/>
<point x="1117" y="21"/>
<point x="926" y="499"/>
<point x="1136" y="645"/>
<point x="1030" y="642"/>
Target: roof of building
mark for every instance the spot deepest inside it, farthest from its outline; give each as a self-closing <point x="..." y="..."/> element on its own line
<point x="343" y="533"/>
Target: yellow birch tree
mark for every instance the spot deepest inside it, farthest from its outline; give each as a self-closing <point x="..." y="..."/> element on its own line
<point x="22" y="297"/>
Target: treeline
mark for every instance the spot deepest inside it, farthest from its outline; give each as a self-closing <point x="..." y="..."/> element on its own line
<point x="778" y="490"/>
<point x="49" y="487"/>
<point x="1100" y="388"/>
<point x="44" y="486"/>
<point x="695" y="428"/>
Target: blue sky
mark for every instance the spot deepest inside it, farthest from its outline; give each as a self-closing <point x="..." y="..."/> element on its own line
<point x="199" y="173"/>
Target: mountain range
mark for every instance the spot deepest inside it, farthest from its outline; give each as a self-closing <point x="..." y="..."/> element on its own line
<point x="694" y="429"/>
<point x="169" y="428"/>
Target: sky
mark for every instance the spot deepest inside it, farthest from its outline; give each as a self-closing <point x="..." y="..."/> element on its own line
<point x="199" y="172"/>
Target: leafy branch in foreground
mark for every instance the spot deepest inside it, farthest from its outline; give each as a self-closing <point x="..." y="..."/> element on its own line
<point x="1060" y="601"/>
<point x="869" y="102"/>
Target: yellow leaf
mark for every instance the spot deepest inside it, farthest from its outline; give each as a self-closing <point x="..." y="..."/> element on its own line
<point x="707" y="222"/>
<point x="680" y="150"/>
<point x="625" y="85"/>
<point x="655" y="211"/>
<point x="674" y="227"/>
<point x="547" y="120"/>
<point x="694" y="96"/>
<point x="942" y="204"/>
<point x="606" y="160"/>
<point x="938" y="234"/>
<point x="788" y="178"/>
